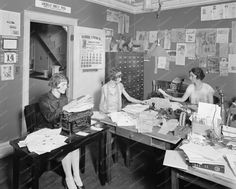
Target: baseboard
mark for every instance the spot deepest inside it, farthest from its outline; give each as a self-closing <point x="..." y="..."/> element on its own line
<point x="5" y="149"/>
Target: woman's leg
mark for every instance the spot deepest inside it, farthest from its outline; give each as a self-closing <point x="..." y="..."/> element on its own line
<point x="75" y="167"/>
<point x="66" y="164"/>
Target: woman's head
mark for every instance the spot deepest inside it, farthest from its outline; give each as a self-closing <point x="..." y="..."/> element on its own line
<point x="196" y="73"/>
<point x="115" y="74"/>
<point x="59" y="81"/>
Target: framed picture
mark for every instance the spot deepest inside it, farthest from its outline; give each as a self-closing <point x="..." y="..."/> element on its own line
<point x="7" y="72"/>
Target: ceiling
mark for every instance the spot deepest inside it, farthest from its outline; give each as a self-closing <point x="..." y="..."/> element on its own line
<point x="137" y="6"/>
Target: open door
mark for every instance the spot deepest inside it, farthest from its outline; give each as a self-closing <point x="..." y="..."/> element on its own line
<point x="88" y="68"/>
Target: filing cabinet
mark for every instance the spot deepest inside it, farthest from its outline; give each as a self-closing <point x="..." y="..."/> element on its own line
<point x="131" y="65"/>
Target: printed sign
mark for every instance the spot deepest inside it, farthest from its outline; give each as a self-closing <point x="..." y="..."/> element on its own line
<point x="52" y="6"/>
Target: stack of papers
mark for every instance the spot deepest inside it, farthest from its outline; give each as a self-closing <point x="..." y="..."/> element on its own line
<point x="159" y="103"/>
<point x="146" y="121"/>
<point x="80" y="104"/>
<point x="123" y="119"/>
<point x="229" y="132"/>
<point x="135" y="108"/>
<point x="201" y="154"/>
<point x="44" y="140"/>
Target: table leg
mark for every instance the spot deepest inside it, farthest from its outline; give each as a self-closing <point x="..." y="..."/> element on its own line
<point x="174" y="179"/>
<point x="35" y="173"/>
<point x="115" y="149"/>
<point x="127" y="153"/>
<point x="108" y="155"/>
<point x="82" y="159"/>
<point x="102" y="159"/>
<point x="16" y="170"/>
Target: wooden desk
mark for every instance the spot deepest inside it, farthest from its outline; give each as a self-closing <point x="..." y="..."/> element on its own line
<point x="76" y="142"/>
<point x="200" y="178"/>
<point x="153" y="139"/>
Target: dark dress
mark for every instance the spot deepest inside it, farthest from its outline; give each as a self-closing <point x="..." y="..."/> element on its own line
<point x="51" y="107"/>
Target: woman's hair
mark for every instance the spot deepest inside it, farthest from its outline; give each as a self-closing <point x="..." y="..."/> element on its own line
<point x="113" y="72"/>
<point x="56" y="79"/>
<point x="198" y="72"/>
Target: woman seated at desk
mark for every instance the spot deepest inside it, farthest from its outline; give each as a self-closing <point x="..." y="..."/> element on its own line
<point x="111" y="97"/>
<point x="51" y="105"/>
<point x="197" y="91"/>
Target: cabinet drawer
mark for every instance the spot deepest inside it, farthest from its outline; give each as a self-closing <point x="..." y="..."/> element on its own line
<point x="134" y="136"/>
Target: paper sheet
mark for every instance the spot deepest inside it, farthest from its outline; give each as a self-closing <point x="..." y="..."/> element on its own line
<point x="175" y="159"/>
<point x="167" y="126"/>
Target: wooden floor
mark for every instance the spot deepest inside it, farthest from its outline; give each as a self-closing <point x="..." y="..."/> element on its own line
<point x="145" y="172"/>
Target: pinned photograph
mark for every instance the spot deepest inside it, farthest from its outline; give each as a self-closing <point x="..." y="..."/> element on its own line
<point x="7" y="72"/>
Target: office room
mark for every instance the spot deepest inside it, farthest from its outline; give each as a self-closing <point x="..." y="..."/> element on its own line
<point x="122" y="79"/>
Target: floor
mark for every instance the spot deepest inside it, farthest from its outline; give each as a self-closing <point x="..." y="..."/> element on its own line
<point x="146" y="172"/>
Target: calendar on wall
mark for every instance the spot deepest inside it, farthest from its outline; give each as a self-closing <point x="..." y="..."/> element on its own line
<point x="91" y="51"/>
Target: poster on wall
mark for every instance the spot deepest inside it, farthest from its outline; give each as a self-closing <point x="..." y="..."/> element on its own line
<point x="91" y="51"/>
<point x="7" y="72"/>
<point x="206" y="42"/>
<point x="9" y="23"/>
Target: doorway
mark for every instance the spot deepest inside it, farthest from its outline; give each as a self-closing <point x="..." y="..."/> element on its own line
<point x="48" y="50"/>
<point x="39" y="18"/>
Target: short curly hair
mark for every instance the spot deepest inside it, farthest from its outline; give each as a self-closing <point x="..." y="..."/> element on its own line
<point x="113" y="72"/>
<point x="198" y="72"/>
<point x="56" y="79"/>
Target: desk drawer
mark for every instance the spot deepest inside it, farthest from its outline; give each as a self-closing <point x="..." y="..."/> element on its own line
<point x="138" y="137"/>
<point x="159" y="144"/>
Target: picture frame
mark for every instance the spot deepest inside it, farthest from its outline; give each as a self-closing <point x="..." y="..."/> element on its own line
<point x="7" y="72"/>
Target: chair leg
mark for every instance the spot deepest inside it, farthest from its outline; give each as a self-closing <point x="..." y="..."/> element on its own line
<point x="82" y="159"/>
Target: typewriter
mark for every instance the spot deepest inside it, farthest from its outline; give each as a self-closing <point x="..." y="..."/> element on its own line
<point x="73" y="122"/>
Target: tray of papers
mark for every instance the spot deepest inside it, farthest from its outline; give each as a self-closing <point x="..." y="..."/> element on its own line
<point x="73" y="122"/>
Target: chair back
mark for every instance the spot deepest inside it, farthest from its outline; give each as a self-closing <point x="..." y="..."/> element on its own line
<point x="32" y="113"/>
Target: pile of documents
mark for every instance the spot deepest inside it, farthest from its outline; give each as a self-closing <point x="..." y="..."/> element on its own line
<point x="43" y="140"/>
<point x="159" y="103"/>
<point x="80" y="104"/>
<point x="146" y="121"/>
<point x="203" y="157"/>
<point x="123" y="119"/>
<point x="229" y="132"/>
<point x="135" y="108"/>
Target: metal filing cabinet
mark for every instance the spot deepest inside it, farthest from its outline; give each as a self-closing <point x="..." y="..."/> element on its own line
<point x="131" y="65"/>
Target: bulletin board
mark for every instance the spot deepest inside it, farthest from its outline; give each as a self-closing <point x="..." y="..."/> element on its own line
<point x="187" y="19"/>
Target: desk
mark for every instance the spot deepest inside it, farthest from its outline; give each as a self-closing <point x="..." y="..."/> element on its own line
<point x="200" y="178"/>
<point x="75" y="143"/>
<point x="153" y="139"/>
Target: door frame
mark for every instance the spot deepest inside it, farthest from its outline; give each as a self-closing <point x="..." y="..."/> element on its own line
<point x="32" y="16"/>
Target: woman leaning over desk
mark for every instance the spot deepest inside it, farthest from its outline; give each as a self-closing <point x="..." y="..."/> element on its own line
<point x="51" y="105"/>
<point x="197" y="91"/>
<point x="111" y="97"/>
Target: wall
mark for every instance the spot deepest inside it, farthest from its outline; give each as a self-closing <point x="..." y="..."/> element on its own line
<point x="182" y="18"/>
<point x="88" y="14"/>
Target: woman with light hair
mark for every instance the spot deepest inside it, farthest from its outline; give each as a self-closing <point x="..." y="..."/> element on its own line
<point x="111" y="97"/>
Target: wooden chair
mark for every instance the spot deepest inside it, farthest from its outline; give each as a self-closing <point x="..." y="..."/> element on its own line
<point x="34" y="121"/>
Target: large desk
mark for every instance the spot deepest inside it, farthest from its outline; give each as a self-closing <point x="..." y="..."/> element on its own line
<point x="200" y="178"/>
<point x="75" y="142"/>
<point x="154" y="139"/>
